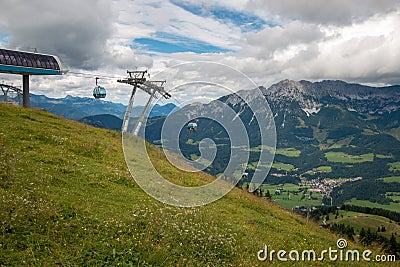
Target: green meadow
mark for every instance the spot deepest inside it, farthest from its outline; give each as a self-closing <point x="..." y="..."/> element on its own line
<point x="346" y="158"/>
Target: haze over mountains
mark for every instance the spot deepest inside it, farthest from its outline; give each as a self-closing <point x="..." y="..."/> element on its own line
<point x="77" y="108"/>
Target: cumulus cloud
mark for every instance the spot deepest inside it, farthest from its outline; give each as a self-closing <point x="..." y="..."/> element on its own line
<point x="356" y="40"/>
<point x="272" y="39"/>
<point x="363" y="52"/>
<point x="75" y="30"/>
<point x="145" y="19"/>
<point x="338" y="12"/>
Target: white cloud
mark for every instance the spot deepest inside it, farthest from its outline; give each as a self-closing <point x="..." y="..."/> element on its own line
<point x="271" y="40"/>
<point x="145" y="19"/>
<point x="75" y="30"/>
<point x="337" y="12"/>
<point x="363" y="52"/>
<point x="356" y="40"/>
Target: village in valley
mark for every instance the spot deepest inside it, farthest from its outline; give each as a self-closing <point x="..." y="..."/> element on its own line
<point x="305" y="195"/>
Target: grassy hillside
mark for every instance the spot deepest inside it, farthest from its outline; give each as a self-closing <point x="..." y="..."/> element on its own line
<point x="67" y="198"/>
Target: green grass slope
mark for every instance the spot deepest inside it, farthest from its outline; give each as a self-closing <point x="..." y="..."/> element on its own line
<point x="67" y="198"/>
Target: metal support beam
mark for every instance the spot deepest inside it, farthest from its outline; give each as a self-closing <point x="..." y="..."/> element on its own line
<point x="137" y="79"/>
<point x="5" y="92"/>
<point x="129" y="111"/>
<point x="5" y="88"/>
<point x="141" y="119"/>
<point x="25" y="90"/>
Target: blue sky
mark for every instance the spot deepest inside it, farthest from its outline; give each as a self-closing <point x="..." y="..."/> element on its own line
<point x="245" y="20"/>
<point x="163" y="42"/>
<point x="4" y="38"/>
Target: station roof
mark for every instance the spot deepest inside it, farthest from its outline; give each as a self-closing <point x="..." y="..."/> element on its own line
<point x="27" y="63"/>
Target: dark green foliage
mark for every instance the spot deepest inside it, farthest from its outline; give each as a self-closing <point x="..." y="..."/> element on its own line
<point x="343" y="230"/>
<point x="344" y="132"/>
<point x="372" y="190"/>
<point x="390" y="246"/>
<point x="268" y="195"/>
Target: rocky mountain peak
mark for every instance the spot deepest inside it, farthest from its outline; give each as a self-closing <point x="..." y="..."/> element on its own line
<point x="354" y="97"/>
<point x="287" y="92"/>
<point x="291" y="97"/>
<point x="287" y="88"/>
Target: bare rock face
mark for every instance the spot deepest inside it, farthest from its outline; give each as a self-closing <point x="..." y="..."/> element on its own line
<point x="353" y="97"/>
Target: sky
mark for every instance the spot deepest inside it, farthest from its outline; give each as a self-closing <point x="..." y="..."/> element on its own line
<point x="356" y="41"/>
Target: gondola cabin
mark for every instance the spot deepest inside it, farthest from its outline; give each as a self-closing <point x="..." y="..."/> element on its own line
<point x="192" y="126"/>
<point x="99" y="92"/>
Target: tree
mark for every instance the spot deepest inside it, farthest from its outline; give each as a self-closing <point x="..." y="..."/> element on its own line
<point x="268" y="195"/>
<point x="369" y="237"/>
<point x="259" y="192"/>
<point x="350" y="232"/>
<point x="392" y="246"/>
<point x="363" y="235"/>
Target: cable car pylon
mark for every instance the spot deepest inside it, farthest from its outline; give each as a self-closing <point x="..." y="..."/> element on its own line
<point x="152" y="87"/>
<point x="5" y="88"/>
<point x="137" y="80"/>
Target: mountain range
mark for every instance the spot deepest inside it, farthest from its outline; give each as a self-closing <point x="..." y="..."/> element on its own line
<point x="325" y="130"/>
<point x="83" y="108"/>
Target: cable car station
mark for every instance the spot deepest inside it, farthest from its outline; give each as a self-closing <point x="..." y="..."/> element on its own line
<point x="26" y="64"/>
